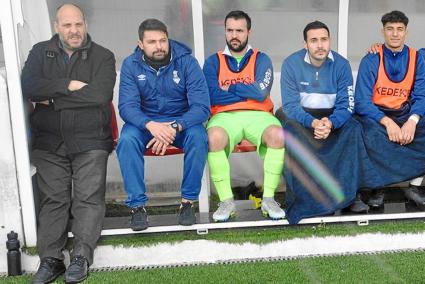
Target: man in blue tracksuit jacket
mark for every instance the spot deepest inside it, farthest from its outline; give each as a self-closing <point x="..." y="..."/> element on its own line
<point x="163" y="100"/>
<point x="390" y="102"/>
<point x="305" y="87"/>
<point x="318" y="103"/>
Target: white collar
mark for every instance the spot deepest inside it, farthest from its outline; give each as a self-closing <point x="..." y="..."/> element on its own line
<point x="307" y="57"/>
<point x="226" y="50"/>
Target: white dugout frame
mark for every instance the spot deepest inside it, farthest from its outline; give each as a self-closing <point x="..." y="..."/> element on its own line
<point x="11" y="16"/>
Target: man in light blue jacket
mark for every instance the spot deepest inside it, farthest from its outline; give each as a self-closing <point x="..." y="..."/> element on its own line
<point x="164" y="101"/>
<point x="318" y="103"/>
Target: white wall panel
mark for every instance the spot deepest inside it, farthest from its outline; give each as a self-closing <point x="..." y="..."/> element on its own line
<point x="364" y="24"/>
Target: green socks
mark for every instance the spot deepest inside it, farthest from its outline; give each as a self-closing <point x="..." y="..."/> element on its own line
<point x="220" y="174"/>
<point x="273" y="165"/>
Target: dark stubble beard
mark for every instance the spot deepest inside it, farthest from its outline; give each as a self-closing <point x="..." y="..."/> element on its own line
<point x="158" y="63"/>
<point x="67" y="46"/>
<point x="158" y="60"/>
<point x="240" y="48"/>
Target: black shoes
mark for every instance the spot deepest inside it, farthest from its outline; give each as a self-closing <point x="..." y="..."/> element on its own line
<point x="77" y="271"/>
<point x="50" y="269"/>
<point x="187" y="214"/>
<point x="376" y="199"/>
<point x="139" y="219"/>
<point x="358" y="206"/>
<point x="412" y="194"/>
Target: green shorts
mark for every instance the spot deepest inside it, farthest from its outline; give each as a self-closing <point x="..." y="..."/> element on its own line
<point x="248" y="125"/>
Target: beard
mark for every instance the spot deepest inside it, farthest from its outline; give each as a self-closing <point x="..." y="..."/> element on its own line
<point x="158" y="59"/>
<point x="316" y="55"/>
<point x="158" y="62"/>
<point x="239" y="48"/>
<point x="66" y="45"/>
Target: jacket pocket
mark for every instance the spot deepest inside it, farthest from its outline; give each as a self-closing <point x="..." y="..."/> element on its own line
<point x="45" y="119"/>
<point x="87" y="123"/>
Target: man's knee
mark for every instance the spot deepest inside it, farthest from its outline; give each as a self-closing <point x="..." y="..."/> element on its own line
<point x="197" y="132"/>
<point x="273" y="137"/>
<point x="130" y="138"/>
<point x="217" y="139"/>
<point x="196" y="136"/>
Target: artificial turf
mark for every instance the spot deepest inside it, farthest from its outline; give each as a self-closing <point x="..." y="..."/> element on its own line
<point x="262" y="235"/>
<point x="405" y="267"/>
<point x="267" y="235"/>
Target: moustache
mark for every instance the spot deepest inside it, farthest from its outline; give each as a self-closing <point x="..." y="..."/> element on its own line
<point x="74" y="36"/>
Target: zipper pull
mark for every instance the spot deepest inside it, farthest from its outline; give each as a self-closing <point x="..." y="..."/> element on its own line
<point x="317" y="75"/>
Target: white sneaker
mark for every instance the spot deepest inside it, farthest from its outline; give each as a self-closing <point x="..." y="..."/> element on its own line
<point x="226" y="209"/>
<point x="272" y="209"/>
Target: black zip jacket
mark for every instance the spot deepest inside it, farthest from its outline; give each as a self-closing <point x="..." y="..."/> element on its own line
<point x="80" y="119"/>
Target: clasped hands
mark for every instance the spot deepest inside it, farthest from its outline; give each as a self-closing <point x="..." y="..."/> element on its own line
<point x="322" y="128"/>
<point x="163" y="135"/>
<point x="401" y="135"/>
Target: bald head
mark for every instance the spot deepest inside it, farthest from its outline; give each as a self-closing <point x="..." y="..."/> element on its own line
<point x="70" y="6"/>
<point x="71" y="27"/>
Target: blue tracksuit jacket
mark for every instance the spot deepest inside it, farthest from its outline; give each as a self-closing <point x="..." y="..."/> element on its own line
<point x="329" y="86"/>
<point x="177" y="91"/>
<point x="396" y="66"/>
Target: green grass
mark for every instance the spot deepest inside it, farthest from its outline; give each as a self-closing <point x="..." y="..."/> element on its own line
<point x="266" y="235"/>
<point x="261" y="235"/>
<point x="384" y="268"/>
<point x="404" y="267"/>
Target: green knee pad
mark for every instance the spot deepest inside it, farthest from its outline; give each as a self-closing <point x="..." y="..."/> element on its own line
<point x="273" y="165"/>
<point x="220" y="174"/>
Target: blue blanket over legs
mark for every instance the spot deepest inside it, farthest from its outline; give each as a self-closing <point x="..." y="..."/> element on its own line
<point x="344" y="156"/>
<point x="391" y="162"/>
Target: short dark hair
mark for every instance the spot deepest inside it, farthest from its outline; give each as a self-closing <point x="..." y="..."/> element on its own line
<point x="237" y="15"/>
<point x="395" y="17"/>
<point x="151" y="25"/>
<point x="315" y="26"/>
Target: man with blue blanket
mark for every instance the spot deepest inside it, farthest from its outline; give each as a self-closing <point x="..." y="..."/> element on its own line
<point x="390" y="102"/>
<point x="318" y="102"/>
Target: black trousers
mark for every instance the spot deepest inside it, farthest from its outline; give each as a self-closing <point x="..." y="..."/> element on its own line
<point x="70" y="184"/>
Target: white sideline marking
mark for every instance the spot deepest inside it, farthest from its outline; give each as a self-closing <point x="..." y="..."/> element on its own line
<point x="205" y="251"/>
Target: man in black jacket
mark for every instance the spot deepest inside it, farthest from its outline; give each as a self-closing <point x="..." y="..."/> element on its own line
<point x="70" y="79"/>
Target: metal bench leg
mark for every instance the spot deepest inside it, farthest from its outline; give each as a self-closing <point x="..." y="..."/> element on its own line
<point x="204" y="195"/>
